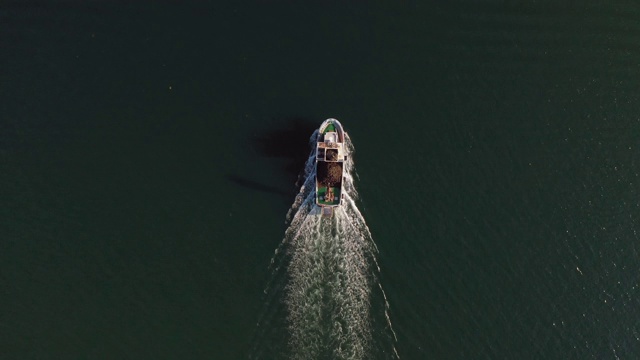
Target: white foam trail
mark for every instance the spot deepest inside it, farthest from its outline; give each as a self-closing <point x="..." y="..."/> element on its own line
<point x="327" y="271"/>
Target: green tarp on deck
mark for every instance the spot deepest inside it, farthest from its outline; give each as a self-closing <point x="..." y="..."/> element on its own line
<point x="321" y="193"/>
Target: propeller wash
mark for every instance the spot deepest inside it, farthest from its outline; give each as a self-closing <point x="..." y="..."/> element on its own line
<point x="328" y="275"/>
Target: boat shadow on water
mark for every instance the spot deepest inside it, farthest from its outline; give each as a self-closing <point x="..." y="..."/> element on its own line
<point x="255" y="185"/>
<point x="287" y="139"/>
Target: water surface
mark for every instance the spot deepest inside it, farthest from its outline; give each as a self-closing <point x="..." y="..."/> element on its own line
<point x="149" y="154"/>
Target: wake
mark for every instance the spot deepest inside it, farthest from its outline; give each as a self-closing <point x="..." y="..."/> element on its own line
<point x="325" y="274"/>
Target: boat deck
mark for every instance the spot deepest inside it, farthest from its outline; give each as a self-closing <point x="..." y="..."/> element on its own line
<point x="330" y="159"/>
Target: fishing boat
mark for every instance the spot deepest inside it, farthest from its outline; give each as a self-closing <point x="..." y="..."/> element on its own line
<point x="330" y="158"/>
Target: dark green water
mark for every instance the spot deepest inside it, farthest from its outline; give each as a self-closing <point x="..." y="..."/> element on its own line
<point x="149" y="154"/>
